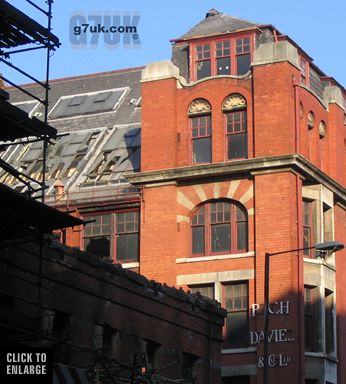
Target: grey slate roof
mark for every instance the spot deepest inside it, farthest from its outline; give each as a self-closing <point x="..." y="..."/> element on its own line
<point x="97" y="145"/>
<point x="216" y="22"/>
<point x="125" y="114"/>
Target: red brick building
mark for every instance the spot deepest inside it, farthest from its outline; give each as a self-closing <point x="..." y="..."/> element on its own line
<point x="243" y="152"/>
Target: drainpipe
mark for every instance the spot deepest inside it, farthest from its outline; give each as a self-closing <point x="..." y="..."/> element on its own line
<point x="296" y="113"/>
<point x="300" y="261"/>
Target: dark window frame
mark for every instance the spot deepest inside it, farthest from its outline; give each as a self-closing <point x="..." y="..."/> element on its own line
<point x="329" y="327"/>
<point x="304" y="71"/>
<point x="223" y="52"/>
<point x="242" y="49"/>
<point x="231" y="131"/>
<point x="311" y="326"/>
<point x="204" y="122"/>
<point x="202" y="56"/>
<point x="239" y="306"/>
<point x="114" y="233"/>
<point x="207" y="289"/>
<point x="234" y="222"/>
<point x="308" y="230"/>
<point x="213" y="54"/>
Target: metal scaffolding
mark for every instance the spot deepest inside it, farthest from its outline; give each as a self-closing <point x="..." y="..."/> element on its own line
<point x="19" y="34"/>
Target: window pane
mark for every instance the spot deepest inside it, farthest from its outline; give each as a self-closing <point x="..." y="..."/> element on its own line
<point x="96" y="230"/>
<point x="204" y="290"/>
<point x="312" y="317"/>
<point x="106" y="219"/>
<point x="227" y="215"/>
<point x="237" y="326"/>
<point x="198" y="239"/>
<point x="87" y="230"/>
<point x="128" y="246"/>
<point x="307" y="227"/>
<point x="308" y="333"/>
<point x="201" y="150"/>
<point x="195" y="122"/>
<point x="243" y="45"/>
<point x="329" y="321"/>
<point x="203" y="51"/>
<point x="223" y="48"/>
<point x="306" y="240"/>
<point x="101" y="225"/>
<point x="241" y="236"/>
<point x="243" y="64"/>
<point x="220" y="212"/>
<point x="327" y="223"/>
<point x="220" y="237"/>
<point x="127" y="222"/>
<point x="240" y="214"/>
<point x="236" y="297"/>
<point x="198" y="217"/>
<point x="236" y="122"/>
<point x="237" y="146"/>
<point x="206" y="51"/>
<point x="99" y="246"/>
<point x="201" y="126"/>
<point x="237" y="330"/>
<point x="203" y="69"/>
<point x="223" y="66"/>
<point x="307" y="212"/>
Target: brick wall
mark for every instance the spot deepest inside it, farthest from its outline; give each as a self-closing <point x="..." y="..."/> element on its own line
<point x="277" y="125"/>
<point x="93" y="292"/>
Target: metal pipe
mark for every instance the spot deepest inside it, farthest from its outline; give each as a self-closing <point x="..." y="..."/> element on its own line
<point x="23" y="73"/>
<point x="266" y="320"/>
<point x="22" y="89"/>
<point x="328" y="246"/>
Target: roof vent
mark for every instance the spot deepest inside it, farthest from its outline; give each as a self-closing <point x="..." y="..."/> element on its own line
<point x="212" y="12"/>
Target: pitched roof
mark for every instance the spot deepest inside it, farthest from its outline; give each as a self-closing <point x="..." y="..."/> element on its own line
<point x="97" y="118"/>
<point x="216" y="22"/>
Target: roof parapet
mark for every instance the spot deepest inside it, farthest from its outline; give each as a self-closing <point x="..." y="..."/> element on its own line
<point x="160" y="70"/>
<point x="274" y="52"/>
<point x="333" y="95"/>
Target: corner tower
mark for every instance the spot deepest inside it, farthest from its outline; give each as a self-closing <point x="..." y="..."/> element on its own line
<point x="240" y="157"/>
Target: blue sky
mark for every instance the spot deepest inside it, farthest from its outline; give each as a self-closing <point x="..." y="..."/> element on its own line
<point x="315" y="25"/>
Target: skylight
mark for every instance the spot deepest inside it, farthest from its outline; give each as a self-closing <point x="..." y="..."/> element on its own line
<point x="95" y="102"/>
<point x="27" y="106"/>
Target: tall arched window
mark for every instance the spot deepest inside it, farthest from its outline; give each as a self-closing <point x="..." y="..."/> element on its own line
<point x="234" y="108"/>
<point x="200" y="121"/>
<point x="219" y="226"/>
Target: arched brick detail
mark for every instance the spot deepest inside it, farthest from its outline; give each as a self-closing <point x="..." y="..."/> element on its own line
<point x="190" y="197"/>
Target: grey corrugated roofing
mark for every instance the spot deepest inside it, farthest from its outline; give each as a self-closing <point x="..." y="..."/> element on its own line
<point x="217" y="22"/>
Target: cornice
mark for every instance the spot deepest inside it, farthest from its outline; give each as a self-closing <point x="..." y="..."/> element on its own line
<point x="249" y="167"/>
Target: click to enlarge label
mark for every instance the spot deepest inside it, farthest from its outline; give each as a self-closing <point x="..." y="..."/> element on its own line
<point x="26" y="365"/>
